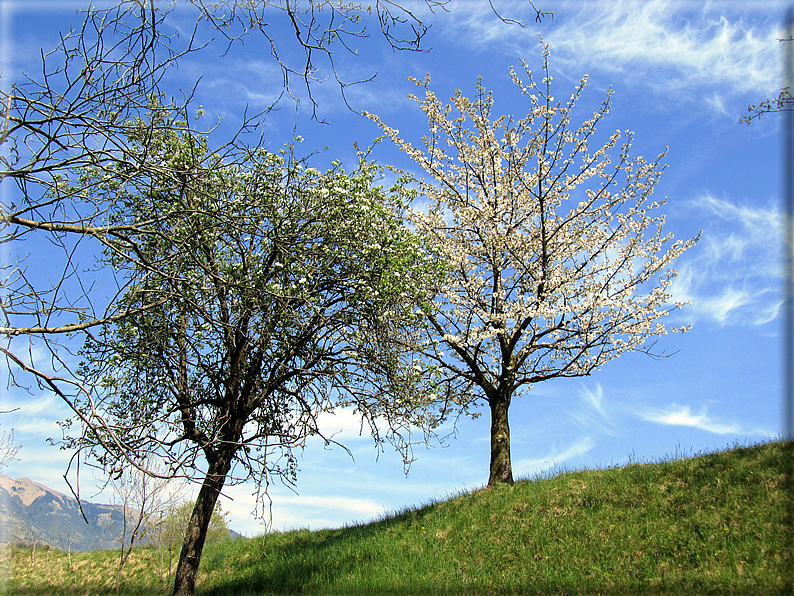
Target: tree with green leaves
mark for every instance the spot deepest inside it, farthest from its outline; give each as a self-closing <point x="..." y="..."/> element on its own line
<point x="277" y="290"/>
<point x="168" y="532"/>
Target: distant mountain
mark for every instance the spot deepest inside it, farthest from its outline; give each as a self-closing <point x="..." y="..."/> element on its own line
<point x="31" y="512"/>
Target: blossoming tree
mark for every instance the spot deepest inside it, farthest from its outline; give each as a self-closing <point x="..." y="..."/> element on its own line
<point x="557" y="258"/>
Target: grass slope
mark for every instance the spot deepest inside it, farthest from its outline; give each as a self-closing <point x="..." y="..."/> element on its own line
<point x="711" y="524"/>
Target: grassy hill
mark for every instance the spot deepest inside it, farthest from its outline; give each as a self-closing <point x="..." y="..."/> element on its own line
<point x="712" y="524"/>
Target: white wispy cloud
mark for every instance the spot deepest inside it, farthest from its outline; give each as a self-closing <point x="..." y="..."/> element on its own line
<point x="717" y="104"/>
<point x="592" y="414"/>
<point x="346" y="425"/>
<point x="706" y="43"/>
<point x="672" y="46"/>
<point x="733" y="275"/>
<point x="720" y="307"/>
<point x="676" y="415"/>
<point x="759" y="222"/>
<point x="230" y="85"/>
<point x="25" y="406"/>
<point x="553" y="458"/>
<point x="39" y="426"/>
<point x="594" y="398"/>
<point x="363" y="507"/>
<point x="298" y="511"/>
<point x="343" y="425"/>
<point x="768" y="313"/>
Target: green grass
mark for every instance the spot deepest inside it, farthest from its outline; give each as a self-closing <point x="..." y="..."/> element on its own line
<point x="711" y="524"/>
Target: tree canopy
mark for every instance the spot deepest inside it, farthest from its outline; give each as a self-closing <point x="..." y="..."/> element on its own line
<point x="257" y="296"/>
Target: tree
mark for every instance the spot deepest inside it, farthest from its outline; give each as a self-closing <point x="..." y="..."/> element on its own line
<point x="66" y="545"/>
<point x="169" y="523"/>
<point x="75" y="115"/>
<point x="139" y="497"/>
<point x="558" y="262"/>
<point x="276" y="292"/>
<point x="174" y="523"/>
<point x="166" y="535"/>
<point x="77" y="112"/>
<point x="92" y="92"/>
<point x="8" y="450"/>
<point x="784" y="102"/>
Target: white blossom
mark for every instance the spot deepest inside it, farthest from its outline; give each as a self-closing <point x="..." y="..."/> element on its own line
<point x="554" y="267"/>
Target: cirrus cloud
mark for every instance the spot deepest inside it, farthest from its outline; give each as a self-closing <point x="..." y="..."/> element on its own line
<point x="676" y="415"/>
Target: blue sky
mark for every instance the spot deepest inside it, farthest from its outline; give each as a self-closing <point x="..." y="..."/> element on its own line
<point x="683" y="74"/>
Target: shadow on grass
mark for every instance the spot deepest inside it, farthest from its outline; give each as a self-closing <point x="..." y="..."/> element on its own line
<point x="280" y="570"/>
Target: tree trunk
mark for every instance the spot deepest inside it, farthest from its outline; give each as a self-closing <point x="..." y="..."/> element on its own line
<point x="501" y="468"/>
<point x="189" y="559"/>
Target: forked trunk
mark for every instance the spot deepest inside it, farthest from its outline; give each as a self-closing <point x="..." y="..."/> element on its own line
<point x="189" y="559"/>
<point x="501" y="468"/>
